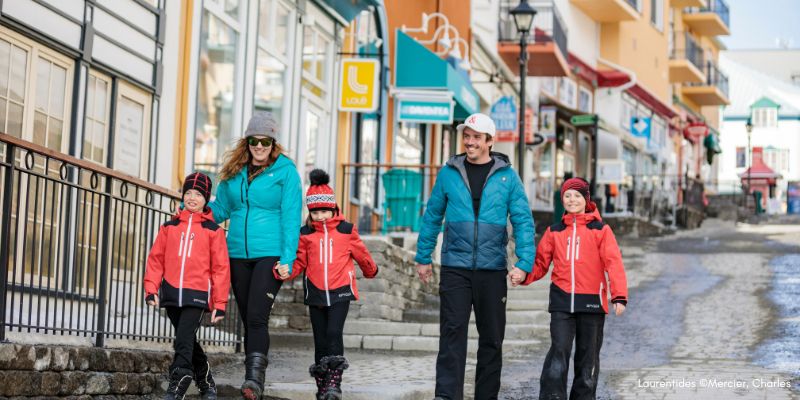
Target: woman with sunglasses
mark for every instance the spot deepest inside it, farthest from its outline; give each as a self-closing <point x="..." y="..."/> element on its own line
<point x="260" y="192"/>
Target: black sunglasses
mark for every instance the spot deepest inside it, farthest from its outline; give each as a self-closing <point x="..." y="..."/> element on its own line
<point x="254" y="141"/>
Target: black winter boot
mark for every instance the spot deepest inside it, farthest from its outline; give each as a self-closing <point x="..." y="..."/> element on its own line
<point x="179" y="381"/>
<point x="255" y="366"/>
<point x="205" y="382"/>
<point x="335" y="366"/>
<point x="317" y="372"/>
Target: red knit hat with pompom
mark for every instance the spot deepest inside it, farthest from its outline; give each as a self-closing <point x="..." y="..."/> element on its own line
<point x="319" y="195"/>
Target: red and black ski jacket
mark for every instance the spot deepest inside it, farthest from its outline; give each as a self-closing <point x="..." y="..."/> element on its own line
<point x="188" y="265"/>
<point x="326" y="253"/>
<point x="583" y="250"/>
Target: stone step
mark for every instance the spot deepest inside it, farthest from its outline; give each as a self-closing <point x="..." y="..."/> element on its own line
<point x="528" y="305"/>
<point x="540" y="316"/>
<point x="424" y="316"/>
<point x="394" y="343"/>
<point x="528" y="293"/>
<point x="384" y="328"/>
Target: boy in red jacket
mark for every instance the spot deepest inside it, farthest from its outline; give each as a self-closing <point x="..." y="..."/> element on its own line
<point x="328" y="245"/>
<point x="188" y="273"/>
<point x="583" y="250"/>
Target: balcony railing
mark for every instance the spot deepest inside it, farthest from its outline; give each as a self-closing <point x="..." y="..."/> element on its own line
<point x="74" y="240"/>
<point x="548" y="26"/>
<point x="718" y="7"/>
<point x="688" y="49"/>
<point x="714" y="77"/>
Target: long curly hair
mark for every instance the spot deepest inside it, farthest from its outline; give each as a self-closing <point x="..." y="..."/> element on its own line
<point x="239" y="156"/>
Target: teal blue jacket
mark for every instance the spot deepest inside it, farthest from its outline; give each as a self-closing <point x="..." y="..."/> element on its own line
<point x="477" y="243"/>
<point x="265" y="215"/>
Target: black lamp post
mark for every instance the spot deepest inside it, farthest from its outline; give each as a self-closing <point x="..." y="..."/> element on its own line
<point x="523" y="15"/>
<point x="749" y="127"/>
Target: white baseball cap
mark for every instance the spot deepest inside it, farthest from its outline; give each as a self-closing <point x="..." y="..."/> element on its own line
<point x="479" y="123"/>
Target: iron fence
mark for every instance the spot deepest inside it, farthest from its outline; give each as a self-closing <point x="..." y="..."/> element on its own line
<point x="75" y="237"/>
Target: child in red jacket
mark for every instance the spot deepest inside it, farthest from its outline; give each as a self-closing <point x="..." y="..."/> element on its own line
<point x="328" y="246"/>
<point x="583" y="250"/>
<point x="188" y="273"/>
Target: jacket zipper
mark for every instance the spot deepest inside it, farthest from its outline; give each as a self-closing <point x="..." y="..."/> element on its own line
<point x="325" y="263"/>
<point x="601" y="294"/>
<point x="180" y="247"/>
<point x="191" y="242"/>
<point x="183" y="263"/>
<point x="572" y="267"/>
<point x="475" y="230"/>
<point x="350" y="273"/>
<point x="246" y="217"/>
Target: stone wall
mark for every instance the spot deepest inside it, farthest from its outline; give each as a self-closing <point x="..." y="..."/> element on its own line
<point x="394" y="290"/>
<point x="80" y="372"/>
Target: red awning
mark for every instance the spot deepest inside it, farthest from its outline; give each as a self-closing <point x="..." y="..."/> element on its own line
<point x="614" y="78"/>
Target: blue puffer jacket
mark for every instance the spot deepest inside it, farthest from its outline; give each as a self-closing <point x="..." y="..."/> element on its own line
<point x="477" y="244"/>
<point x="265" y="214"/>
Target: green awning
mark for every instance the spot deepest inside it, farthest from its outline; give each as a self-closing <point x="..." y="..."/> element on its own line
<point x="418" y="68"/>
<point x="349" y="9"/>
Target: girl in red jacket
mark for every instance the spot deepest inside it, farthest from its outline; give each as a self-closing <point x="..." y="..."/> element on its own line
<point x="583" y="251"/>
<point x="328" y="246"/>
<point x="188" y="273"/>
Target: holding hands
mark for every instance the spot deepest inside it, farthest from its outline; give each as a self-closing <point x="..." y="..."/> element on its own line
<point x="283" y="270"/>
<point x="516" y="276"/>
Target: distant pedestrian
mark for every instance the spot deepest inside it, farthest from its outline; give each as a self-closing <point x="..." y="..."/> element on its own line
<point x="583" y="251"/>
<point x="187" y="273"/>
<point x="328" y="246"/>
<point x="476" y="194"/>
<point x="261" y="194"/>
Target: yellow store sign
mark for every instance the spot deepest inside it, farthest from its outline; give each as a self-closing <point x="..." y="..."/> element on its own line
<point x="359" y="85"/>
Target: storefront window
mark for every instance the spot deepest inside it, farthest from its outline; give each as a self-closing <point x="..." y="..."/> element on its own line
<point x="95" y="136"/>
<point x="409" y="143"/>
<point x="13" y="75"/>
<point x="317" y="52"/>
<point x="270" y="81"/>
<point x="216" y="92"/>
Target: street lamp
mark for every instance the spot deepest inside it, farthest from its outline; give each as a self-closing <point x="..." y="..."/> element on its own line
<point x="749" y="127"/>
<point x="523" y="15"/>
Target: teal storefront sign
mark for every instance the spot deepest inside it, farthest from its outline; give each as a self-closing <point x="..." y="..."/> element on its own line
<point x="418" y="68"/>
<point x="438" y="112"/>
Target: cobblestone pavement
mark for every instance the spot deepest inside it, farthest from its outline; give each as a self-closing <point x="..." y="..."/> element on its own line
<point x="707" y="320"/>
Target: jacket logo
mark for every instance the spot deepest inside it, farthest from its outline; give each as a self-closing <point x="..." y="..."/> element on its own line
<point x="199" y="301"/>
<point x="593" y="305"/>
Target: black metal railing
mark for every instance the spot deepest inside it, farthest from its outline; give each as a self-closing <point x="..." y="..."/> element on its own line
<point x="718" y="7"/>
<point x="74" y="242"/>
<point x="686" y="48"/>
<point x="548" y="26"/>
<point x="714" y="77"/>
<point x="383" y="198"/>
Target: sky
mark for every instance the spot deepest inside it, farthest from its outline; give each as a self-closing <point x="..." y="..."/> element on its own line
<point x="759" y="24"/>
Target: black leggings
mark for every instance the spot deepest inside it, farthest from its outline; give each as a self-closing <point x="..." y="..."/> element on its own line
<point x="188" y="353"/>
<point x="255" y="289"/>
<point x="328" y="326"/>
<point x="586" y="330"/>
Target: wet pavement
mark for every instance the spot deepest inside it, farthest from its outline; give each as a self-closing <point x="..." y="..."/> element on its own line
<point x="713" y="314"/>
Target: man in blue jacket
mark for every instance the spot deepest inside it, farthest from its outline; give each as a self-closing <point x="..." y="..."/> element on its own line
<point x="476" y="193"/>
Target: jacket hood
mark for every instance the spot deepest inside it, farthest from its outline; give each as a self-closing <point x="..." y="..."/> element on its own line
<point x="184" y="214"/>
<point x="582" y="219"/>
<point x="500" y="160"/>
<point x="330" y="223"/>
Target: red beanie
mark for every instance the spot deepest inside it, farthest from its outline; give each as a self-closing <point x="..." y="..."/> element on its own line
<point x="319" y="195"/>
<point x="581" y="186"/>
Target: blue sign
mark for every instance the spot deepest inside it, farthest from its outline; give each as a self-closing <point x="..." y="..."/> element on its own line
<point x="504" y="114"/>
<point x="426" y="111"/>
<point x="640" y="127"/>
<point x="793" y="197"/>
